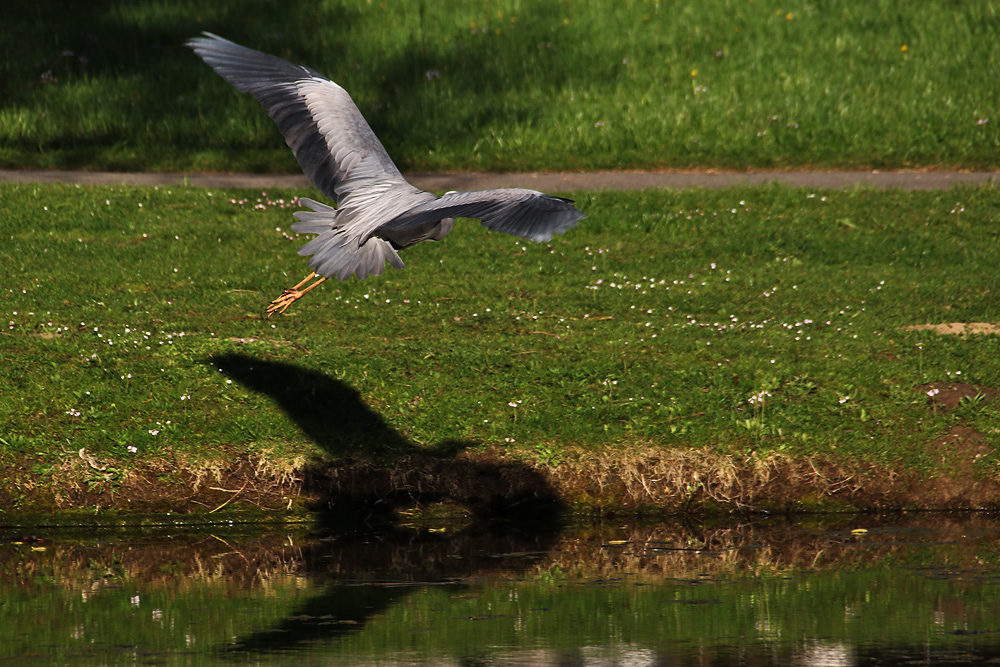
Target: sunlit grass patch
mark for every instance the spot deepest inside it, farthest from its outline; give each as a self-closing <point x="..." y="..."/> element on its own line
<point x="748" y="322"/>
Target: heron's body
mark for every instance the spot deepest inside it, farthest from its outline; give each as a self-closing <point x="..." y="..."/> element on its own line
<point x="377" y="212"/>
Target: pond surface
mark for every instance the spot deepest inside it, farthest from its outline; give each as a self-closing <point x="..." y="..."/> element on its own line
<point x="863" y="590"/>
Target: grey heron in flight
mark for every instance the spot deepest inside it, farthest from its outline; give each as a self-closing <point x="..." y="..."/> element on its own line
<point x="377" y="212"/>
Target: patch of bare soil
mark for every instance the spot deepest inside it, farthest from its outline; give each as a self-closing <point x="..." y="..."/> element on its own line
<point x="949" y="395"/>
<point x="958" y="328"/>
<point x="959" y="450"/>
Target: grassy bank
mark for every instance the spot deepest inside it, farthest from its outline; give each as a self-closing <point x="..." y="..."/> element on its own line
<point x="515" y="85"/>
<point x="676" y="346"/>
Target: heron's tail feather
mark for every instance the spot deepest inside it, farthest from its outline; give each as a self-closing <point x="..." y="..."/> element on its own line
<point x="335" y="252"/>
<point x="321" y="218"/>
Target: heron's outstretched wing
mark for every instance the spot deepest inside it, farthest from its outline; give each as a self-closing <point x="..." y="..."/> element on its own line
<point x="526" y="213"/>
<point x="331" y="140"/>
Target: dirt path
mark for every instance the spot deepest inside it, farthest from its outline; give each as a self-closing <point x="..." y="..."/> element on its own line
<point x="552" y="182"/>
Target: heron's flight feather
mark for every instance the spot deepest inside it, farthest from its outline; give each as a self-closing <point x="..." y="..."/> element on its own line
<point x="525" y="213"/>
<point x="319" y="120"/>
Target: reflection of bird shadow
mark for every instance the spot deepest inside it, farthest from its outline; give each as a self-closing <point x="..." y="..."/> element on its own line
<point x="335" y="612"/>
<point x="372" y="466"/>
<point x="358" y="576"/>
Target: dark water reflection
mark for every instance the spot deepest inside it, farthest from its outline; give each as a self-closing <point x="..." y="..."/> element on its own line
<point x="906" y="589"/>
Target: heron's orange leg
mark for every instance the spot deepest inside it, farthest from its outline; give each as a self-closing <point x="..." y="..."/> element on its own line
<point x="290" y="296"/>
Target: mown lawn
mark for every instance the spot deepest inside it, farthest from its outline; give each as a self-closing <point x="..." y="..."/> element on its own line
<point x="741" y="320"/>
<point x="515" y="84"/>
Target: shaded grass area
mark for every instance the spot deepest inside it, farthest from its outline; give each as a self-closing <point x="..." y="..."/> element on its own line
<point x="743" y="323"/>
<point x="515" y="85"/>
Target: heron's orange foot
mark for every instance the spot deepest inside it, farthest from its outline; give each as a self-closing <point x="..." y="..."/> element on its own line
<point x="292" y="294"/>
<point x="287" y="298"/>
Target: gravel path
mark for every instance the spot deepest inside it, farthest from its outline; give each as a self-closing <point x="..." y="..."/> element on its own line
<point x="548" y="182"/>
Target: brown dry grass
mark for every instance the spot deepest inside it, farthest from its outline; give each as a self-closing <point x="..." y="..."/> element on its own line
<point x="487" y="483"/>
<point x="83" y="480"/>
<point x="677" y="478"/>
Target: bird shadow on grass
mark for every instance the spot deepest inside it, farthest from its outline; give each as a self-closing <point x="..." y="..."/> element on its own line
<point x="369" y="469"/>
<point x="365" y="473"/>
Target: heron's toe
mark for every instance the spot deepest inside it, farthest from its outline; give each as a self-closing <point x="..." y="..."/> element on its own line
<point x="281" y="304"/>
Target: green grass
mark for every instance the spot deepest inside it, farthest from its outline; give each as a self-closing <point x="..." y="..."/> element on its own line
<point x="132" y="319"/>
<point x="515" y="85"/>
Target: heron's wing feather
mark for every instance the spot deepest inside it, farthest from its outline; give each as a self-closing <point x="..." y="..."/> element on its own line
<point x="526" y="213"/>
<point x="333" y="143"/>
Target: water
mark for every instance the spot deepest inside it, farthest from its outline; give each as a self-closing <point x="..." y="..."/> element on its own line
<point x="909" y="589"/>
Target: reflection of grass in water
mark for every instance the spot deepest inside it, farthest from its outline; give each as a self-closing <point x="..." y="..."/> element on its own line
<point x="786" y="585"/>
<point x="245" y="556"/>
<point x="651" y="325"/>
<point x="875" y="607"/>
<point x="110" y="623"/>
